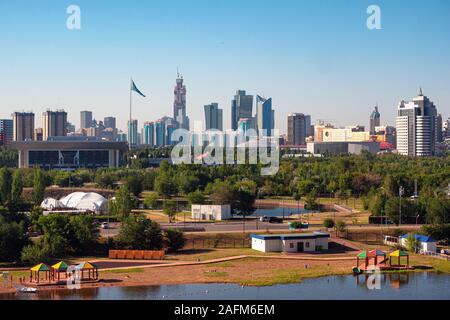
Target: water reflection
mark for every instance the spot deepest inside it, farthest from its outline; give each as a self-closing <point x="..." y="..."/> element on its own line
<point x="395" y="280"/>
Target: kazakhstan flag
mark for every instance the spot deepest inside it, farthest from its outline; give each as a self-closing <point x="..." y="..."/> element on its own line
<point x="135" y="89"/>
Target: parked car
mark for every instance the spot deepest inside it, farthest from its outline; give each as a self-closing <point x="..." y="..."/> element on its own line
<point x="264" y="219"/>
<point x="104" y="225"/>
<point x="275" y="220"/>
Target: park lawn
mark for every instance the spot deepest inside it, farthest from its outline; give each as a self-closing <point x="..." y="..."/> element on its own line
<point x="211" y="254"/>
<point x="439" y="265"/>
<point x="132" y="270"/>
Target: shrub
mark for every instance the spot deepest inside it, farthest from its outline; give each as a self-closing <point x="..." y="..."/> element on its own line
<point x="328" y="223"/>
<point x="341" y="226"/>
<point x="174" y="239"/>
<point x="33" y="254"/>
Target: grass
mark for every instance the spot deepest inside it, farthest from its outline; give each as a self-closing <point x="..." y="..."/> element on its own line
<point x="132" y="270"/>
<point x="210" y="254"/>
<point x="217" y="274"/>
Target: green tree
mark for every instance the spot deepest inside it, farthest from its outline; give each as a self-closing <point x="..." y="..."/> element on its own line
<point x="174" y="240"/>
<point x="5" y="186"/>
<point x="58" y="236"/>
<point x="139" y="233"/>
<point x="170" y="210"/>
<point x="38" y="187"/>
<point x="151" y="200"/>
<point x="85" y="231"/>
<point x="17" y="187"/>
<point x="12" y="240"/>
<point x="328" y="223"/>
<point x="122" y="204"/>
<point x="311" y="201"/>
<point x="438" y="209"/>
<point x="134" y="184"/>
<point x="196" y="197"/>
<point x="341" y="226"/>
<point x="164" y="185"/>
<point x="411" y="242"/>
<point x="187" y="183"/>
<point x="104" y="180"/>
<point x="33" y="254"/>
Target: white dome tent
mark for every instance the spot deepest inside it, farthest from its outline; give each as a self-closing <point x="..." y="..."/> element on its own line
<point x="85" y="201"/>
<point x="51" y="204"/>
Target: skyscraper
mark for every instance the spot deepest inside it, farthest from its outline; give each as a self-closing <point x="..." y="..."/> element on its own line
<point x="179" y="105"/>
<point x="213" y="117"/>
<point x="149" y="134"/>
<point x="110" y="122"/>
<point x="6" y="132"/>
<point x="374" y="120"/>
<point x="439" y="130"/>
<point x="416" y="127"/>
<point x="23" y="126"/>
<point x="55" y="123"/>
<point x="265" y="115"/>
<point x="85" y="119"/>
<point x="241" y="108"/>
<point x="133" y="132"/>
<point x="160" y="133"/>
<point x="299" y="128"/>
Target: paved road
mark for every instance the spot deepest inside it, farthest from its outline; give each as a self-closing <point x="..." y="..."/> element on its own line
<point x="227" y="227"/>
<point x="238" y="226"/>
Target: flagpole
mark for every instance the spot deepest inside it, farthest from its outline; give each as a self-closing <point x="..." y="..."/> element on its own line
<point x="129" y="124"/>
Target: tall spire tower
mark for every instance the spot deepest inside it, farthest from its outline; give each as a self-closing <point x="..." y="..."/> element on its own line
<point x="179" y="105"/>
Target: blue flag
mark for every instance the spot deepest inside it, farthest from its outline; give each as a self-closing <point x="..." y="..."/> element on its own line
<point x="135" y="89"/>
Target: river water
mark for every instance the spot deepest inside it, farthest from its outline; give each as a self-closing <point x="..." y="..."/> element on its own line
<point x="396" y="286"/>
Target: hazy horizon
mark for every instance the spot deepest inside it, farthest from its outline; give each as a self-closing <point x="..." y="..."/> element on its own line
<point x="312" y="57"/>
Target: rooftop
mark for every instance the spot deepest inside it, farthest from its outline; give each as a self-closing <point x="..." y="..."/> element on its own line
<point x="291" y="236"/>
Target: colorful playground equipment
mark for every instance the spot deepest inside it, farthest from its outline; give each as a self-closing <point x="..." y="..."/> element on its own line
<point x="35" y="273"/>
<point x="91" y="269"/>
<point x="378" y="259"/>
<point x="399" y="254"/>
<point x="61" y="271"/>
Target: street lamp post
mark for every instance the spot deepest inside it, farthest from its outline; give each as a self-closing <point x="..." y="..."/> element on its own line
<point x="401" y="191"/>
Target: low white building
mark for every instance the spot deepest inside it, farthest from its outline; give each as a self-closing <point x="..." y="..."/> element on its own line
<point x="211" y="212"/>
<point x="299" y="242"/>
<point x="425" y="244"/>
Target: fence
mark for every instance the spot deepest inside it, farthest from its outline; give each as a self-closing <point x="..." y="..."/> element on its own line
<point x="375" y="238"/>
<point x="212" y="243"/>
<point x="136" y="255"/>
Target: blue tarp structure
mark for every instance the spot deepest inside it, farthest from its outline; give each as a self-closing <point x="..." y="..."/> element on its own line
<point x="420" y="238"/>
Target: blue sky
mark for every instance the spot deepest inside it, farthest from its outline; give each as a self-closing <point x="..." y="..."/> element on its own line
<point x="315" y="57"/>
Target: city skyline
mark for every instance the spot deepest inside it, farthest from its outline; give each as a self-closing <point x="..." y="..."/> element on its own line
<point x="362" y="68"/>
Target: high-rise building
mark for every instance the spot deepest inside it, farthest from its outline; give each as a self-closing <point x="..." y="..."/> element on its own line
<point x="110" y="122"/>
<point x="265" y="115"/>
<point x="148" y="134"/>
<point x="85" y="119"/>
<point x="23" y="126"/>
<point x="213" y="117"/>
<point x="160" y="133"/>
<point x="6" y="132"/>
<point x="299" y="128"/>
<point x="70" y="128"/>
<point x="374" y="120"/>
<point x="241" y="108"/>
<point x="55" y="124"/>
<point x="38" y="134"/>
<point x="245" y="124"/>
<point x="179" y="105"/>
<point x="133" y="132"/>
<point x="439" y="132"/>
<point x="416" y="127"/>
